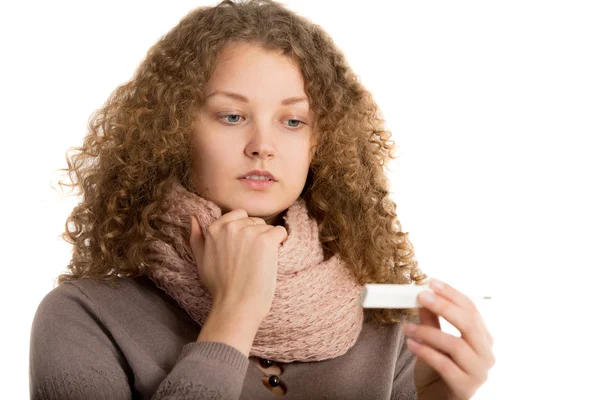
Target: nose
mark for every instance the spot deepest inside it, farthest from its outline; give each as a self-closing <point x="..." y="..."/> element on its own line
<point x="260" y="143"/>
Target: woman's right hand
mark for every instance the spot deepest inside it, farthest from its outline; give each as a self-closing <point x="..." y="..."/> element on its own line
<point x="237" y="260"/>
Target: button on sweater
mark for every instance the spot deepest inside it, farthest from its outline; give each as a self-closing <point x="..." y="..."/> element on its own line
<point x="133" y="341"/>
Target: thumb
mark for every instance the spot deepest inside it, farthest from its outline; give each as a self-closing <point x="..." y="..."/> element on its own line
<point x="196" y="238"/>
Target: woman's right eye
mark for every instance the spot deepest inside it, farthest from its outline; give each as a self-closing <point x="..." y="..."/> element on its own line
<point x="229" y="119"/>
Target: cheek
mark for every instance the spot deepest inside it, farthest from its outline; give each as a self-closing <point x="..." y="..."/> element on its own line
<point x="300" y="158"/>
<point x="218" y="163"/>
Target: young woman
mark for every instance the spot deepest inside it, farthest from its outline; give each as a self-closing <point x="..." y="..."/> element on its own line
<point x="234" y="203"/>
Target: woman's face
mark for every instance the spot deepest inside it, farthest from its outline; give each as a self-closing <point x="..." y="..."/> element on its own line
<point x="256" y="117"/>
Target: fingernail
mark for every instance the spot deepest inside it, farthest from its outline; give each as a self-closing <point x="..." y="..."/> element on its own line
<point x="436" y="284"/>
<point x="427" y="297"/>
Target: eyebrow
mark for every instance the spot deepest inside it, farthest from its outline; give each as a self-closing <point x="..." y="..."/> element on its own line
<point x="237" y="96"/>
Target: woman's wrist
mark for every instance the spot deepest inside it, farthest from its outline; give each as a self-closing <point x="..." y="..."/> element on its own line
<point x="230" y="326"/>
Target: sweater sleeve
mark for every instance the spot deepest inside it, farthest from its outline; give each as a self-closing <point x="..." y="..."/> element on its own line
<point x="73" y="356"/>
<point x="404" y="386"/>
<point x="205" y="370"/>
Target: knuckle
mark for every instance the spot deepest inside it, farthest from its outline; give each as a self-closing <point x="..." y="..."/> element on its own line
<point x="241" y="212"/>
<point x="441" y="305"/>
<point x="230" y="229"/>
<point x="211" y="230"/>
<point x="448" y="344"/>
<point x="263" y="240"/>
<point x="445" y="366"/>
<point x="480" y="325"/>
<point x="483" y="376"/>
<point x="461" y="344"/>
<point x="470" y="324"/>
<point x="471" y="306"/>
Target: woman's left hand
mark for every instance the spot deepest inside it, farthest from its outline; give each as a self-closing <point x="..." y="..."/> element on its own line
<point x="449" y="367"/>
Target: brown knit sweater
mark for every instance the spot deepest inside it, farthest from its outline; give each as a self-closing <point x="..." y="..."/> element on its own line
<point x="92" y="341"/>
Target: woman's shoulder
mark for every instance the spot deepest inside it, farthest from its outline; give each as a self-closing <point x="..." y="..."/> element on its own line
<point x="130" y="289"/>
<point x="94" y="286"/>
<point x="88" y="293"/>
<point x="123" y="300"/>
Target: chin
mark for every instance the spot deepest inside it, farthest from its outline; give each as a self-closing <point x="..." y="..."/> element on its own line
<point x="254" y="208"/>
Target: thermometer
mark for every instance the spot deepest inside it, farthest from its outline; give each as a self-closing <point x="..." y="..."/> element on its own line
<point x="384" y="295"/>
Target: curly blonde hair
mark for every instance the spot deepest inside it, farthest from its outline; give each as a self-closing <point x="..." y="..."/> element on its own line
<point x="141" y="138"/>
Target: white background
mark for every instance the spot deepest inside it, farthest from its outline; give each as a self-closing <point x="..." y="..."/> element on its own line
<point x="495" y="109"/>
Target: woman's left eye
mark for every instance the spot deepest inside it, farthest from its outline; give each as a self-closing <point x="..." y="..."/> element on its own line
<point x="296" y="125"/>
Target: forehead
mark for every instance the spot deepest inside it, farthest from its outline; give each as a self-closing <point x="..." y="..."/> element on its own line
<point x="249" y="66"/>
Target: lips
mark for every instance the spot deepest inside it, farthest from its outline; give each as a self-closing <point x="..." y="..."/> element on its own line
<point x="259" y="173"/>
<point x="257" y="184"/>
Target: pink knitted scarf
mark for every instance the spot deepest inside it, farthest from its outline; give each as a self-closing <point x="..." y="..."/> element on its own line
<point x="315" y="314"/>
